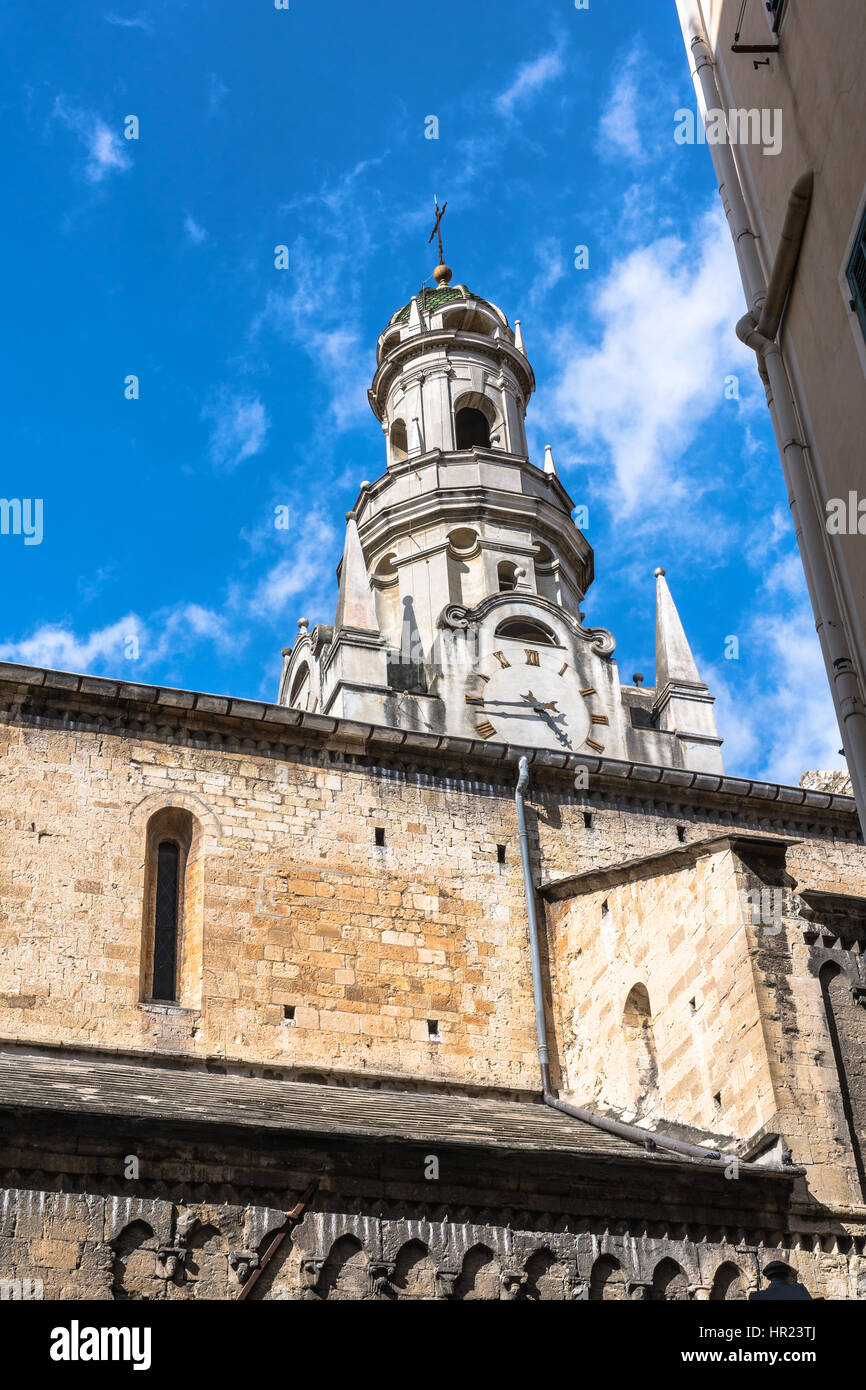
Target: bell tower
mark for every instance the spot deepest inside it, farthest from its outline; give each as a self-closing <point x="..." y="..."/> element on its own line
<point x="463" y="574"/>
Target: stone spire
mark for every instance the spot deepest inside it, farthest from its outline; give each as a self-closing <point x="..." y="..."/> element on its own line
<point x="674" y="661"/>
<point x="683" y="705"/>
<point x="356" y="606"/>
<point x="549" y="465"/>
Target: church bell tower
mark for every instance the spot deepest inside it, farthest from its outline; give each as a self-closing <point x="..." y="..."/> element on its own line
<point x="463" y="573"/>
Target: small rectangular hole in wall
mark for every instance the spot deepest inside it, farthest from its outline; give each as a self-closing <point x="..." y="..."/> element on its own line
<point x="693" y="1006"/>
<point x="587" y="819"/>
<point x="681" y="833"/>
<point x="717" y="1100"/>
<point x="289" y="1013"/>
<point x="500" y="854"/>
<point x="604" y="908"/>
<point x="380" y="835"/>
<point x="433" y="1029"/>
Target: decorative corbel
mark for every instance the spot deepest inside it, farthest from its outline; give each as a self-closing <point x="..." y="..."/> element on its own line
<point x="242" y="1262"/>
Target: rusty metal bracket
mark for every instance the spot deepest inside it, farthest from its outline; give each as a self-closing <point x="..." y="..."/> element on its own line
<point x="293" y="1219"/>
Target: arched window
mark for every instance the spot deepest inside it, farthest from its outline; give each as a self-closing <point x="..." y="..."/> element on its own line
<point x="173" y="899"/>
<point x="728" y="1285"/>
<point x="527" y="630"/>
<point x="300" y="696"/>
<point x="641" y="1065"/>
<point x="669" y="1283"/>
<point x="166" y="921"/>
<point x="607" y="1281"/>
<point x="399" y="442"/>
<point x="472" y="428"/>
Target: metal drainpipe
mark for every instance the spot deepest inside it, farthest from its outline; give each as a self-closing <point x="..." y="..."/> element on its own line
<point x="765" y="310"/>
<point x="623" y="1131"/>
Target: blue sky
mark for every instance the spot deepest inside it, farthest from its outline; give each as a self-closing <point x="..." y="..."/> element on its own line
<point x="155" y="257"/>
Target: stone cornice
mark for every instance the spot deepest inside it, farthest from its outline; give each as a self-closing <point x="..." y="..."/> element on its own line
<point x="46" y="698"/>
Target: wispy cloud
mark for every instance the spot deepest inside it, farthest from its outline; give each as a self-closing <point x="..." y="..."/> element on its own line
<point x="785" y="725"/>
<point x="216" y="92"/>
<point x="619" y="131"/>
<point x="106" y="151"/>
<point x="299" y="574"/>
<point x="531" y="78"/>
<point x="128" y="21"/>
<point x="239" y="427"/>
<point x="552" y="262"/>
<point x="320" y="310"/>
<point x="196" y="234"/>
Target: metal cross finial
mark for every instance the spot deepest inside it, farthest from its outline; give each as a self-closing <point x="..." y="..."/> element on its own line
<point x="437" y="230"/>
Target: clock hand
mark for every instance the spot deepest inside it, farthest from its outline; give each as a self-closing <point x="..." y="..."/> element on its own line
<point x="537" y="706"/>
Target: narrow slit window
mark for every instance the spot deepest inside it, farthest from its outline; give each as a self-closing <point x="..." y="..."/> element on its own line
<point x="587" y="819"/>
<point x="500" y="854"/>
<point x="433" y="1029"/>
<point x="380" y="835"/>
<point x="166" y="922"/>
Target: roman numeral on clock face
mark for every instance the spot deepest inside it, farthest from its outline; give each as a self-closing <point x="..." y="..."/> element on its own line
<point x="590" y="690"/>
<point x="475" y="699"/>
<point x="502" y="659"/>
<point x="486" y="730"/>
<point x="531" y="657"/>
<point x="599" y="747"/>
<point x="600" y="719"/>
<point x="563" y="668"/>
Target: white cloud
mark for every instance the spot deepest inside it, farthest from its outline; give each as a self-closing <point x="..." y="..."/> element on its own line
<point x="127" y="648"/>
<point x="530" y="79"/>
<point x="197" y="235"/>
<point x="106" y="151"/>
<point x="61" y="649"/>
<point x="240" y="427"/>
<point x="666" y="315"/>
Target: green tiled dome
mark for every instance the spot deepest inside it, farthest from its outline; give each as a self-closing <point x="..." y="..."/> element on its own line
<point x="433" y="297"/>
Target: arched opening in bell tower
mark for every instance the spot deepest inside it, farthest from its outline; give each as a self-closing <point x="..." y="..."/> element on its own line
<point x="472" y="428"/>
<point x="399" y="442"/>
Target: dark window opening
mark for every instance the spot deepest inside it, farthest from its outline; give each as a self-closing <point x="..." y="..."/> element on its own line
<point x="857" y="276"/>
<point x="165" y="923"/>
<point x="433" y="1028"/>
<point x="524" y="630"/>
<point x="507" y="576"/>
<point x="500" y="854"/>
<point x="289" y="1013"/>
<point x="681" y="834"/>
<point x="587" y="819"/>
<point x="473" y="429"/>
<point x="380" y="835"/>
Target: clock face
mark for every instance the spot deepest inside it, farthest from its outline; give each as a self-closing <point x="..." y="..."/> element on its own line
<point x="531" y="695"/>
